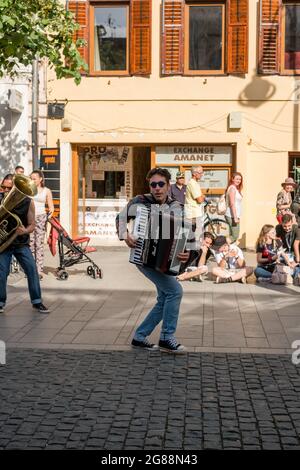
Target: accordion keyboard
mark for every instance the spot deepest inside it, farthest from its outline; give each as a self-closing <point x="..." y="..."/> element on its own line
<point x="140" y="233"/>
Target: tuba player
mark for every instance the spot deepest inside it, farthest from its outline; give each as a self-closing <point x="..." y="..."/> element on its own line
<point x="19" y="248"/>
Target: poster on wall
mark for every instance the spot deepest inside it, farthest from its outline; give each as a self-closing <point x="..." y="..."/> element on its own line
<point x="98" y="224"/>
<point x="96" y="156"/>
<point x="214" y="179"/>
<point x="50" y="166"/>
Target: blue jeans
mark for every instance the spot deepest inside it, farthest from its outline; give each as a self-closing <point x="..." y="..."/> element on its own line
<point x="262" y="272"/>
<point x="166" y="309"/>
<point x="26" y="260"/>
<point x="296" y="272"/>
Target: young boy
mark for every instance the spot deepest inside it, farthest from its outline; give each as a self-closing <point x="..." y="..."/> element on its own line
<point x="197" y="267"/>
<point x="231" y="263"/>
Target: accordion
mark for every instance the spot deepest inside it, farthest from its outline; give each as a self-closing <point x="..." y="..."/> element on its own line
<point x="160" y="237"/>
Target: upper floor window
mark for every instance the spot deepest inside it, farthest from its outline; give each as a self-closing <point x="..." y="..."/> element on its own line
<point x="109" y="39"/>
<point x="207" y="37"/>
<point x="291" y="37"/>
<point x="279" y="37"/>
<point x="117" y="35"/>
<point x="204" y="45"/>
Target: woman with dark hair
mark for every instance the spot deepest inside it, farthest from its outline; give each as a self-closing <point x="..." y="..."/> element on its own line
<point x="234" y="199"/>
<point x="37" y="237"/>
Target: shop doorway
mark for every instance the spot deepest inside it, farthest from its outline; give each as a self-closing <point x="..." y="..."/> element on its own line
<point x="141" y="164"/>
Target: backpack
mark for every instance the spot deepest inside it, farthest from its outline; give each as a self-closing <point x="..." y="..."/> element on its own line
<point x="282" y="275"/>
<point x="222" y="205"/>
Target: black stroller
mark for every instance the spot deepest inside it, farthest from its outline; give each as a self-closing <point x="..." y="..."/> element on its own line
<point x="71" y="251"/>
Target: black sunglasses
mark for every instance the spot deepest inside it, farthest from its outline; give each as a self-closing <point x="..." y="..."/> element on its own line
<point x="161" y="184"/>
<point x="6" y="187"/>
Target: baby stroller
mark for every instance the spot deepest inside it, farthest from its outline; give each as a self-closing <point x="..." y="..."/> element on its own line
<point x="71" y="251"/>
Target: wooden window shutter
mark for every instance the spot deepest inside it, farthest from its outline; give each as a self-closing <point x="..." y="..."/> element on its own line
<point x="172" y="37"/>
<point x="140" y="37"/>
<point x="80" y="10"/>
<point x="269" y="33"/>
<point x="237" y="36"/>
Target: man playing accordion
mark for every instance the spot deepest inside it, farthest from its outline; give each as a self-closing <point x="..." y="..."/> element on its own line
<point x="169" y="291"/>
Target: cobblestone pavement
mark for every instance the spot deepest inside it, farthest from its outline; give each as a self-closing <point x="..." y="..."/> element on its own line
<point x="54" y="399"/>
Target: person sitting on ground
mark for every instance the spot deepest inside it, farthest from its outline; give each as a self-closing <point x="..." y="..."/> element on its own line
<point x="231" y="262"/>
<point x="198" y="259"/>
<point x="269" y="251"/>
<point x="289" y="234"/>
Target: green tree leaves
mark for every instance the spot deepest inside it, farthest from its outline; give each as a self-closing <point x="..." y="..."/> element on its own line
<point x="30" y="28"/>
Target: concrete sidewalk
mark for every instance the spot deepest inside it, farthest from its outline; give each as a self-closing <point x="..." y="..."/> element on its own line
<point x="102" y="314"/>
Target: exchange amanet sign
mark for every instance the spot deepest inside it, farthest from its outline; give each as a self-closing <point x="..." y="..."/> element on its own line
<point x="194" y="154"/>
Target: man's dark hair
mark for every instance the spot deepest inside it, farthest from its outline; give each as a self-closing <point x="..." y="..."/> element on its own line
<point x="286" y="218"/>
<point x="19" y="167"/>
<point x="208" y="235"/>
<point x="159" y="171"/>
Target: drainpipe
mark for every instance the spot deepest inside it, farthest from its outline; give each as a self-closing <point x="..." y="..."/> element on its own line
<point x="35" y="107"/>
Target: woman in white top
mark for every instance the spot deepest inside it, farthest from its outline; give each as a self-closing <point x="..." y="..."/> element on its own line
<point x="43" y="197"/>
<point x="234" y="205"/>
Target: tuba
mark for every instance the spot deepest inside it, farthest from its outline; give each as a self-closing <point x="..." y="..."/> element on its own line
<point x="9" y="222"/>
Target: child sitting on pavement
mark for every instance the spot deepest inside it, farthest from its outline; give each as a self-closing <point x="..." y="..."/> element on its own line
<point x="231" y="262"/>
<point x="197" y="266"/>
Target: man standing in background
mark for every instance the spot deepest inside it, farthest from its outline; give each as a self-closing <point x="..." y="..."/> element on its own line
<point x="178" y="189"/>
<point x="19" y="170"/>
<point x="194" y="201"/>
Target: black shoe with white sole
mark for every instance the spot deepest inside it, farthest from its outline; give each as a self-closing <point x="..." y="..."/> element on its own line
<point x="144" y="345"/>
<point x="40" y="308"/>
<point x="171" y="346"/>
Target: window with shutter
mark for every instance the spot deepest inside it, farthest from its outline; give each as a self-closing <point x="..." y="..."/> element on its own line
<point x="237" y="36"/>
<point x="207" y="37"/>
<point x="172" y="37"/>
<point x="204" y="34"/>
<point x="269" y="36"/>
<point x="290" y="43"/>
<point x="140" y="37"/>
<point x="118" y="35"/>
<point x="109" y="38"/>
<point x="279" y="37"/>
<point x="79" y="8"/>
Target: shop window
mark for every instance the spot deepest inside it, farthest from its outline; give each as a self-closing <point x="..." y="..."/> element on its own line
<point x="204" y="37"/>
<point x="111" y="187"/>
<point x="204" y="46"/>
<point x="117" y="35"/>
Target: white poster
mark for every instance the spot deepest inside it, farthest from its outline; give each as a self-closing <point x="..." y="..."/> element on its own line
<point x="98" y="224"/>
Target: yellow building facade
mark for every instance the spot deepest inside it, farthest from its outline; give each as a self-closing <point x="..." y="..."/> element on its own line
<point x="117" y="126"/>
